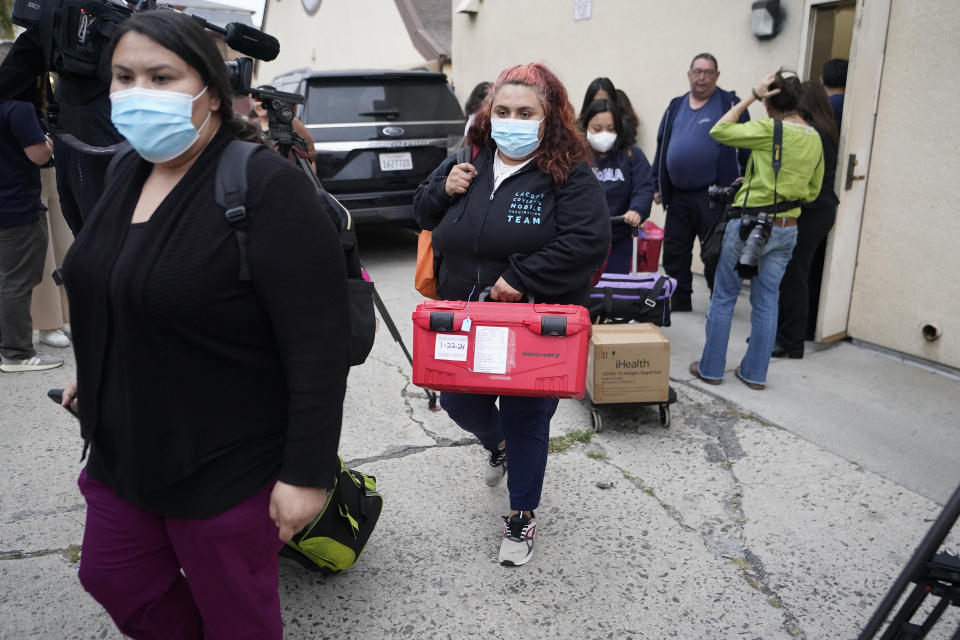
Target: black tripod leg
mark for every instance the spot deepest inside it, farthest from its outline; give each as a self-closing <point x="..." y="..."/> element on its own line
<point x="925" y="552"/>
<point x="907" y="610"/>
<point x="934" y="616"/>
<point x="382" y="308"/>
<point x="307" y="169"/>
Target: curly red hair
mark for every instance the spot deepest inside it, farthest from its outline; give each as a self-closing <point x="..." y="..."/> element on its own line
<point x="563" y="144"/>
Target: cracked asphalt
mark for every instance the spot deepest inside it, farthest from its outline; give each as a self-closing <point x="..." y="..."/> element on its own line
<point x="728" y="524"/>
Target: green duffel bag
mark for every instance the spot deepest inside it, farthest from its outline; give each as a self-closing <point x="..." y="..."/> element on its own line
<point x="334" y="540"/>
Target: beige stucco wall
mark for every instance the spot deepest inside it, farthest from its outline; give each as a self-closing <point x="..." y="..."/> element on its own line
<point x="342" y="34"/>
<point x="643" y="46"/>
<point x="907" y="268"/>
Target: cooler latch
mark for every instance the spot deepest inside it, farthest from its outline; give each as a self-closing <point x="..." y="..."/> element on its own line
<point x="441" y="321"/>
<point x="553" y="326"/>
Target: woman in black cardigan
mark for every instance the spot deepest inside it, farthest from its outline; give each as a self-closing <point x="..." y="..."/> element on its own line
<point x="211" y="405"/>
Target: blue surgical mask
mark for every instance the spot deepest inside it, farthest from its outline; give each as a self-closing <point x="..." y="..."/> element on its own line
<point x="515" y="138"/>
<point x="158" y="124"/>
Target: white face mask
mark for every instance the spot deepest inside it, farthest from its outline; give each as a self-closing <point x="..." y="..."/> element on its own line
<point x="601" y="142"/>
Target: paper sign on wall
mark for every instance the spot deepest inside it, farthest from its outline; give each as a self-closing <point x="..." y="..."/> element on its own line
<point x="490" y="349"/>
<point x="582" y="10"/>
<point x="451" y="346"/>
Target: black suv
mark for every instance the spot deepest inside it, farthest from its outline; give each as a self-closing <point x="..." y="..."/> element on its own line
<point x="378" y="134"/>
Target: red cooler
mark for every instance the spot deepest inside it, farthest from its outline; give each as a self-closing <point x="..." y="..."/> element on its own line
<point x="505" y="348"/>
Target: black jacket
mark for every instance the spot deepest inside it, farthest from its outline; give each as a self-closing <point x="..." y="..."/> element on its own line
<point x="730" y="163"/>
<point x="219" y="385"/>
<point x="545" y="240"/>
<point x="83" y="100"/>
<point x="827" y="199"/>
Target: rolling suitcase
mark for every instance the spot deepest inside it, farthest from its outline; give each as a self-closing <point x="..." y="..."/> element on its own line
<point x="637" y="297"/>
<point x="515" y="349"/>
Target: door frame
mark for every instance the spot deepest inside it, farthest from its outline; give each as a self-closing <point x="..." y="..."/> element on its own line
<point x="806" y="31"/>
<point x="867" y="49"/>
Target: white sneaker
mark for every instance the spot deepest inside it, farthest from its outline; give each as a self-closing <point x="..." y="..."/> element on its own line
<point x="37" y="362"/>
<point x="67" y="329"/>
<point x="496" y="467"/>
<point x="55" y="338"/>
<point x="516" y="549"/>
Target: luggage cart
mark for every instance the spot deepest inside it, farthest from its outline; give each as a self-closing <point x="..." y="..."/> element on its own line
<point x="662" y="407"/>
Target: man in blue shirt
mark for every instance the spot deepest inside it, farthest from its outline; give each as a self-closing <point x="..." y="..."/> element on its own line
<point x="688" y="161"/>
<point x="23" y="234"/>
<point x="834" y="80"/>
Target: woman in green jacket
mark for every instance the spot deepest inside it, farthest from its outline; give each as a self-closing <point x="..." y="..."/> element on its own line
<point x="770" y="189"/>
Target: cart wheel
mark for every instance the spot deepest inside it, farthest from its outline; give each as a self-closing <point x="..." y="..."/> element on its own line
<point x="597" y="421"/>
<point x="665" y="415"/>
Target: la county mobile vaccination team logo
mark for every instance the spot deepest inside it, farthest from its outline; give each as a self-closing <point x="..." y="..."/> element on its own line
<point x="525" y="208"/>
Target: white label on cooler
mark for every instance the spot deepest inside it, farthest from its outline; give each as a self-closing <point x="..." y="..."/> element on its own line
<point x="490" y="349"/>
<point x="450" y="346"/>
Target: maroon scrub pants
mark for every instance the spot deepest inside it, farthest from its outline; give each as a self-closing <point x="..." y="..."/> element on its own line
<point x="131" y="563"/>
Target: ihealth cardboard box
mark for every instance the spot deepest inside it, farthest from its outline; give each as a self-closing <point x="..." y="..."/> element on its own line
<point x="628" y="363"/>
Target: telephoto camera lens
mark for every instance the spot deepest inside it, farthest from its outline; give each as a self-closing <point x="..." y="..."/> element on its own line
<point x="749" y="263"/>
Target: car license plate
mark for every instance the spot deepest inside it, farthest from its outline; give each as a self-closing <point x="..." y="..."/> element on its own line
<point x="396" y="161"/>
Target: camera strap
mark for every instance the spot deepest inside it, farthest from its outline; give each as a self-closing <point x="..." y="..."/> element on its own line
<point x="777" y="154"/>
<point x="47" y="16"/>
<point x="777" y="162"/>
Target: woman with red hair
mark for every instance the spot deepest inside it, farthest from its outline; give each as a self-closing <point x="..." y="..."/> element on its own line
<point x="526" y="217"/>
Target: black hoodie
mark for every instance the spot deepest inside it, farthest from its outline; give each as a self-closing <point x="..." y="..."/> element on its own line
<point x="545" y="240"/>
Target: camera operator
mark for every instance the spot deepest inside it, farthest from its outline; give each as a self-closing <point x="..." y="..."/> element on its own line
<point x="259" y="118"/>
<point x="84" y="139"/>
<point x="785" y="169"/>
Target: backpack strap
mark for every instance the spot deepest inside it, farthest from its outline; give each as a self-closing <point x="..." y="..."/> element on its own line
<point x="125" y="150"/>
<point x="47" y="15"/>
<point x="651" y="299"/>
<point x="467" y="154"/>
<point x="230" y="192"/>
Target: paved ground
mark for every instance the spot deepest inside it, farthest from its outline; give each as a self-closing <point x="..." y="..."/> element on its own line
<point x="778" y="514"/>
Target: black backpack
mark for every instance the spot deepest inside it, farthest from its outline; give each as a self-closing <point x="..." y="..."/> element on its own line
<point x="231" y="194"/>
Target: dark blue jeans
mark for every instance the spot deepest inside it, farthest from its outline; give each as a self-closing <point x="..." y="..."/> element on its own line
<point x="525" y="425"/>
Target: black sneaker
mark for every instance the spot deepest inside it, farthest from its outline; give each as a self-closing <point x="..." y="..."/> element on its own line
<point x="496" y="467"/>
<point x="680" y="303"/>
<point x="516" y="549"/>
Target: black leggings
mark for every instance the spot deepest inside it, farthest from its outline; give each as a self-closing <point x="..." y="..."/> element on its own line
<point x="812" y="227"/>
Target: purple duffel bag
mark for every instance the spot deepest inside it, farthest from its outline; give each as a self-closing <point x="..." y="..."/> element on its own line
<point x="644" y="297"/>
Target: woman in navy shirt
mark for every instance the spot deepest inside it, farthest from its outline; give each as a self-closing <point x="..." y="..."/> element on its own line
<point x="625" y="175"/>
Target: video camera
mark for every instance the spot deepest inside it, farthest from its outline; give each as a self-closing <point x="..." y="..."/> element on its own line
<point x="75" y="32"/>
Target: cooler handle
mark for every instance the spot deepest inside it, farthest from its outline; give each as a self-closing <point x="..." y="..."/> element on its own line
<point x="554" y="326"/>
<point x="441" y="320"/>
<point x="486" y="294"/>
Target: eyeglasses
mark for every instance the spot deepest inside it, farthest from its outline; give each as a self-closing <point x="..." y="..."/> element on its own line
<point x="707" y="73"/>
